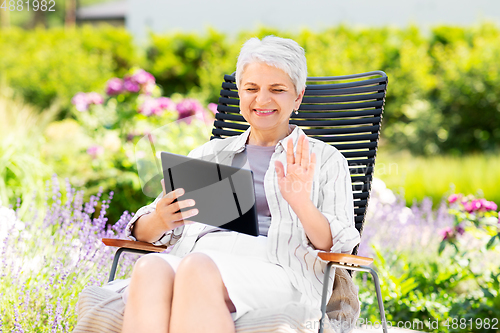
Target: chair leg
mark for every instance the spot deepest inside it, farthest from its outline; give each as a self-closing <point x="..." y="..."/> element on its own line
<point x="117" y="258"/>
<point x="354" y="268"/>
<point x="379" y="298"/>
<point x="115" y="264"/>
<point x="326" y="281"/>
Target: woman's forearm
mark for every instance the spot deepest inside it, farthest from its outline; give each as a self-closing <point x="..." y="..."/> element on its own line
<point x="315" y="225"/>
<point x="148" y="228"/>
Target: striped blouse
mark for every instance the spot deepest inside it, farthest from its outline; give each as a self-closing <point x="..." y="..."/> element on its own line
<point x="288" y="245"/>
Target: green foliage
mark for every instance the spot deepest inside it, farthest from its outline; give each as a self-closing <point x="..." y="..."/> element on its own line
<point x="22" y="171"/>
<point x="443" y="88"/>
<point x="438" y="292"/>
<point x="468" y="89"/>
<point x="176" y="59"/>
<point x="45" y="65"/>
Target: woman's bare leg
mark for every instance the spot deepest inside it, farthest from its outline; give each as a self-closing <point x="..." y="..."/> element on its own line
<point x="200" y="302"/>
<point x="150" y="296"/>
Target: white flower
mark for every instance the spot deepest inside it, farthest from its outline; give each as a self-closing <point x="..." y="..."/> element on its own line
<point x="385" y="195"/>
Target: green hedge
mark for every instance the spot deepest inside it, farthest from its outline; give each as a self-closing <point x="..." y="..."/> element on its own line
<point x="55" y="64"/>
<point x="444" y="87"/>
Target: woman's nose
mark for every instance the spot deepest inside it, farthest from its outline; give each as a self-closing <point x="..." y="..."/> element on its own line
<point x="263" y="97"/>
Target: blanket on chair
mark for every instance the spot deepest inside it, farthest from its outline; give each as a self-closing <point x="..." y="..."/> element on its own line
<point x="100" y="310"/>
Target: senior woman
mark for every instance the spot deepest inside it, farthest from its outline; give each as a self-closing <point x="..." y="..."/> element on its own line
<point x="213" y="276"/>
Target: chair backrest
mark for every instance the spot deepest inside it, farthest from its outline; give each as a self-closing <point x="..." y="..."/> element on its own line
<point x="343" y="111"/>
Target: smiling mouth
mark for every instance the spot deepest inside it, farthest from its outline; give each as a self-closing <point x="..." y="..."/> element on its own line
<point x="264" y="111"/>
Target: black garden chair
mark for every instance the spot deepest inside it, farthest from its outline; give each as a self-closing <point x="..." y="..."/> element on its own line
<point x="343" y="111"/>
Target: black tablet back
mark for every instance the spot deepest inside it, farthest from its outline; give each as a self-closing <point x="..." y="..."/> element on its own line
<point x="224" y="195"/>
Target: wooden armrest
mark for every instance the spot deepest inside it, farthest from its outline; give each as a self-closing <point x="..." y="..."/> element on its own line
<point x="130" y="244"/>
<point x="345" y="258"/>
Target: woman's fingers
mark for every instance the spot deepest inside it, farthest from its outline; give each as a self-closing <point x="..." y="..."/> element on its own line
<point x="302" y="153"/>
<point x="304" y="162"/>
<point x="176" y="206"/>
<point x="312" y="166"/>
<point x="163" y="186"/>
<point x="280" y="170"/>
<point x="298" y="158"/>
<point x="171" y="196"/>
<point x="184" y="215"/>
<point x="289" y="152"/>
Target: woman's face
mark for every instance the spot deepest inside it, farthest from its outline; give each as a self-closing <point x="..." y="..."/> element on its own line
<point x="267" y="98"/>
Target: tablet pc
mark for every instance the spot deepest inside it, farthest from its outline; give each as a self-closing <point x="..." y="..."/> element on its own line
<point x="224" y="195"/>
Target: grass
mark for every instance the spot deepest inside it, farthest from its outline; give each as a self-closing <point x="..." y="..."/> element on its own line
<point x="438" y="176"/>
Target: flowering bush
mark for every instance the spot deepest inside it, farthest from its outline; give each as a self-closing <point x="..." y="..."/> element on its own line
<point x="49" y="258"/>
<point x="137" y="93"/>
<point x="418" y="285"/>
<point x="476" y="215"/>
<point x="391" y="226"/>
<point x="133" y="108"/>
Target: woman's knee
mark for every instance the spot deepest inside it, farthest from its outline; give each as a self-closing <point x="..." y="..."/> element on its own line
<point x="196" y="265"/>
<point x="151" y="267"/>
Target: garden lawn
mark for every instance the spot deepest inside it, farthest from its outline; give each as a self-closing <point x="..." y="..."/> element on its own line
<point x="437" y="177"/>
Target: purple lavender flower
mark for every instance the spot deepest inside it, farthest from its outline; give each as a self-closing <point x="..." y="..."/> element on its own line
<point x="80" y="101"/>
<point x="130" y="85"/>
<point x="114" y="86"/>
<point x="460" y="229"/>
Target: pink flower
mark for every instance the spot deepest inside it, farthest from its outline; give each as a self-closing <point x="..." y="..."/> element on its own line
<point x="166" y="103"/>
<point x="94" y="151"/>
<point x="447" y="233"/>
<point x="148" y="88"/>
<point x="472" y="206"/>
<point x="142" y="77"/>
<point x="190" y="107"/>
<point x="130" y="85"/>
<point x="490" y="205"/>
<point x="150" y="106"/>
<point x="80" y="101"/>
<point x="476" y="204"/>
<point x="213" y="107"/>
<point x="94" y="98"/>
<point x="114" y="86"/>
<point x="131" y="136"/>
<point x="454" y="197"/>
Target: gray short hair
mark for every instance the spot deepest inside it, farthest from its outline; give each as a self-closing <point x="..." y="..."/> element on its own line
<point x="281" y="53"/>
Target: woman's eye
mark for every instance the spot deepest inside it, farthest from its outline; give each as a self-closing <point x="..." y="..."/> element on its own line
<point x="278" y="90"/>
<point x="251" y="89"/>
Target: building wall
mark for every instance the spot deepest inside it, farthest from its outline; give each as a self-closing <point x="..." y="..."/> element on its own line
<point x="236" y="15"/>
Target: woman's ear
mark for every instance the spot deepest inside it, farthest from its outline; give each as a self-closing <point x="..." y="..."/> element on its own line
<point x="298" y="100"/>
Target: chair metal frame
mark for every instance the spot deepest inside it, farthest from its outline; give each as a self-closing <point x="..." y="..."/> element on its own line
<point x="358" y="100"/>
